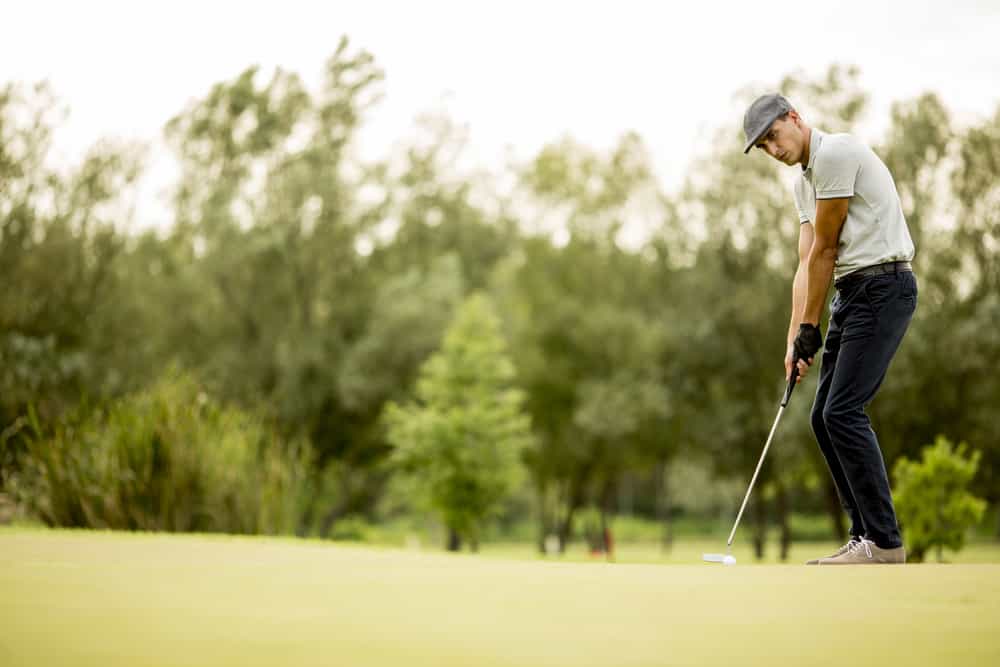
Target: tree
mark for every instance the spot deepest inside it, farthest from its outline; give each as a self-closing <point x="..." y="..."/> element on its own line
<point x="270" y="214"/>
<point x="461" y="438"/>
<point x="436" y="209"/>
<point x="409" y="314"/>
<point x="914" y="152"/>
<point x="933" y="392"/>
<point x="268" y="204"/>
<point x="935" y="507"/>
<point x="586" y="317"/>
<point x="588" y="344"/>
<point x="60" y="242"/>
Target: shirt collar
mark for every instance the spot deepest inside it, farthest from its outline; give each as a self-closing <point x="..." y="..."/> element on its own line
<point x="815" y="141"/>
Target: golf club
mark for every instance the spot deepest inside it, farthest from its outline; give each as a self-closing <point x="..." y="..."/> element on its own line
<point x="728" y="558"/>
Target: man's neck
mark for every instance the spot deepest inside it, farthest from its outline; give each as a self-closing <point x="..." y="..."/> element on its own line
<point x="805" y="151"/>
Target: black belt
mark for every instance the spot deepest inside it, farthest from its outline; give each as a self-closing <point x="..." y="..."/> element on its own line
<point x="876" y="270"/>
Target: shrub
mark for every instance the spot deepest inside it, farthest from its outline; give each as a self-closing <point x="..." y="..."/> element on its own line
<point x="460" y="440"/>
<point x="934" y="505"/>
<point x="165" y="459"/>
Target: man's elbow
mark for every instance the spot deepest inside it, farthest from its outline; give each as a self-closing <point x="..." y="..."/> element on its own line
<point x="823" y="252"/>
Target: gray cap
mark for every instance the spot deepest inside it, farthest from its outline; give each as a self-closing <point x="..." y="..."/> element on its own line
<point x="765" y="110"/>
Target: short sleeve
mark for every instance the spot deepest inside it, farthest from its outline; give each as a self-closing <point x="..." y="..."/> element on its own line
<point x="805" y="203"/>
<point x="836" y="168"/>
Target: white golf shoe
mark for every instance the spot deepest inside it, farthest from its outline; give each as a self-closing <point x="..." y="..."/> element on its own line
<point x="866" y="552"/>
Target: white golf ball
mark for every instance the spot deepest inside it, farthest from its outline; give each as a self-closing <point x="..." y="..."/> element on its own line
<point x="729" y="560"/>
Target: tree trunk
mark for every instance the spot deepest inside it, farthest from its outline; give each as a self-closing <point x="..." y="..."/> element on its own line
<point x="626" y="494"/>
<point x="664" y="510"/>
<point x="339" y="509"/>
<point x="309" y="513"/>
<point x="454" y="541"/>
<point x="786" y="530"/>
<point x="305" y="523"/>
<point x="606" y="540"/>
<point x="543" y="515"/>
<point x="330" y="518"/>
<point x="566" y="528"/>
<point x="573" y="501"/>
<point x="760" y="527"/>
<point x="836" y="511"/>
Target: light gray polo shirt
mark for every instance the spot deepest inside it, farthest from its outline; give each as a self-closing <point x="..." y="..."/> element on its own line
<point x="875" y="231"/>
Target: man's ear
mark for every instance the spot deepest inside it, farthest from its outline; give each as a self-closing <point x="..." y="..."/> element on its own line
<point x="795" y="117"/>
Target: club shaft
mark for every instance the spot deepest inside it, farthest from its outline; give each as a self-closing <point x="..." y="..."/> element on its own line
<point x="755" y="473"/>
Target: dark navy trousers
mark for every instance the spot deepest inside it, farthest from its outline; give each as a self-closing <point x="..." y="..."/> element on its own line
<point x="868" y="318"/>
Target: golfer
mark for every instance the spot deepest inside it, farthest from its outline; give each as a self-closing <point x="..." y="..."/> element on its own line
<point x="853" y="231"/>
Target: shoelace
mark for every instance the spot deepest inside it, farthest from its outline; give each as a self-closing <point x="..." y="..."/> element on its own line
<point x="858" y="545"/>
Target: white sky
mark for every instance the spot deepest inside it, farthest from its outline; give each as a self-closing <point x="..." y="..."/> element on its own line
<point x="518" y="74"/>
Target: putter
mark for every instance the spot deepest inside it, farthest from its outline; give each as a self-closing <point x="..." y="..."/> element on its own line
<point x="728" y="558"/>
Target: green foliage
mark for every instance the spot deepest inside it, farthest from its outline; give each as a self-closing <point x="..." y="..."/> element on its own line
<point x="58" y="244"/>
<point x="936" y="509"/>
<point x="165" y="459"/>
<point x="929" y="391"/>
<point x="409" y="315"/>
<point x="834" y="99"/>
<point x="591" y="190"/>
<point x="60" y="238"/>
<point x="462" y="436"/>
<point x="914" y="152"/>
<point x="308" y="286"/>
<point x="436" y="210"/>
<point x="587" y="318"/>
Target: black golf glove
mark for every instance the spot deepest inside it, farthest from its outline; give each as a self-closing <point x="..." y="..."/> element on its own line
<point x="807" y="342"/>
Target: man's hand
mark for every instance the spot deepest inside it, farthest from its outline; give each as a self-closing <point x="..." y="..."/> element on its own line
<point x="806" y="345"/>
<point x="789" y="359"/>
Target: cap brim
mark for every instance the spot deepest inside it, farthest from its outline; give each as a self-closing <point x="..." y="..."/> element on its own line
<point x="753" y="142"/>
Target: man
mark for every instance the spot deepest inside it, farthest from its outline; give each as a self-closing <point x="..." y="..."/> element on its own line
<point x="852" y="230"/>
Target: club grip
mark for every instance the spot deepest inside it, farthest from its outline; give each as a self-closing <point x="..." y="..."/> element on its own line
<point x="791" y="381"/>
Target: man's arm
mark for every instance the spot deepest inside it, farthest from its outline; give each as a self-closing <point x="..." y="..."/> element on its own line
<point x="799" y="282"/>
<point x="798" y="294"/>
<point x="830" y="217"/>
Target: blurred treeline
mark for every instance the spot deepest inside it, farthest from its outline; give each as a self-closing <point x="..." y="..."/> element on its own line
<point x="251" y="348"/>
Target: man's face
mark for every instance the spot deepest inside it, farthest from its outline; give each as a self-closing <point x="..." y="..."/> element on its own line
<point x="784" y="140"/>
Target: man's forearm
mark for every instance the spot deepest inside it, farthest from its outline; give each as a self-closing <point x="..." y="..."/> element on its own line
<point x="819" y="273"/>
<point x="830" y="217"/>
<point x="798" y="301"/>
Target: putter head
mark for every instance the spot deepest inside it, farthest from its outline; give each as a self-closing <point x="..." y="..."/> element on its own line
<point x="719" y="558"/>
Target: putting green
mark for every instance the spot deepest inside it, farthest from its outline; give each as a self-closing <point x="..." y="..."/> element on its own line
<point x="109" y="600"/>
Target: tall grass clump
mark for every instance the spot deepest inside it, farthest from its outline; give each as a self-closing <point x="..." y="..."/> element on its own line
<point x="166" y="459"/>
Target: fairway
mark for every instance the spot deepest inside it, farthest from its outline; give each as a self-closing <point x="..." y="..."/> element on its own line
<point x="109" y="600"/>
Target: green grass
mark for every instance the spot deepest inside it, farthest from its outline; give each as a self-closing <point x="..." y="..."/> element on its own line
<point x="690" y="550"/>
<point x="111" y="599"/>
